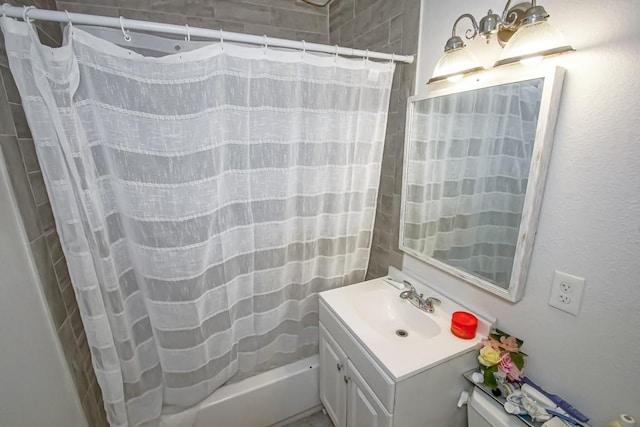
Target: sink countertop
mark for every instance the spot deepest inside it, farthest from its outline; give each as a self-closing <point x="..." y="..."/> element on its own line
<point x="373" y="310"/>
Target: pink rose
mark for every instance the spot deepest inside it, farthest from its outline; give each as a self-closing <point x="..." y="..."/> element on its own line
<point x="508" y="367"/>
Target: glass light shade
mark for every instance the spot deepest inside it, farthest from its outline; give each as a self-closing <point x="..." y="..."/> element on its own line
<point x="454" y="64"/>
<point x="533" y="40"/>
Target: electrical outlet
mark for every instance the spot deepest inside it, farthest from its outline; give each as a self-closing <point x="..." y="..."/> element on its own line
<point x="566" y="292"/>
<point x="565" y="299"/>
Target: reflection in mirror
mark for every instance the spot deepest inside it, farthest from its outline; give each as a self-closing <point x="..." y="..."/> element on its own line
<point x="467" y="172"/>
<point x="476" y="159"/>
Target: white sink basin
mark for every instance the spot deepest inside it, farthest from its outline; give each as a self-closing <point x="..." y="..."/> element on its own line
<point x="387" y="316"/>
<point x="376" y="315"/>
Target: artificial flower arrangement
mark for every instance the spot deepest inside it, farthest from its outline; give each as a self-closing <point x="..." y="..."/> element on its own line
<point x="501" y="359"/>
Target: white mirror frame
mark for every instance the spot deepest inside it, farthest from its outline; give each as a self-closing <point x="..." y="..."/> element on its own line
<point x="549" y="105"/>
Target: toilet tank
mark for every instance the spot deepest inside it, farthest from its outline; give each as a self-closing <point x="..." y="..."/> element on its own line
<point x="483" y="411"/>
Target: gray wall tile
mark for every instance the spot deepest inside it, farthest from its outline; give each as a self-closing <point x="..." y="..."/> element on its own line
<point x="143" y="15"/>
<point x="215" y="24"/>
<point x="129" y="4"/>
<point x="55" y="248"/>
<point x="384" y="10"/>
<point x="20" y="121"/>
<point x="311" y="37"/>
<point x="375" y="38"/>
<point x="88" y="9"/>
<point x="45" y="216"/>
<point x="340" y="12"/>
<point x="269" y="31"/>
<point x="37" y="188"/>
<point x="69" y="300"/>
<point x="362" y="5"/>
<point x="183" y="7"/>
<point x="28" y="152"/>
<point x="48" y="281"/>
<point x="299" y="21"/>
<point x="395" y="29"/>
<point x="363" y="25"/>
<point x="6" y="120"/>
<point x="21" y="188"/>
<point x="298" y="5"/>
<point x="9" y="85"/>
<point x="62" y="273"/>
<point x="76" y="323"/>
<point x="242" y="12"/>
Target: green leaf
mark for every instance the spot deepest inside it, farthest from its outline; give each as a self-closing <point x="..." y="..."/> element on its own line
<point x="518" y="359"/>
<point x="501" y="333"/>
<point x="489" y="379"/>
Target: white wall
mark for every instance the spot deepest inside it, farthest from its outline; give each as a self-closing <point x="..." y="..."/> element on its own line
<point x="36" y="388"/>
<point x="590" y="217"/>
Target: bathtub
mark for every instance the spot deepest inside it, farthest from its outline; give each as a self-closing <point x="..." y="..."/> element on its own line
<point x="269" y="399"/>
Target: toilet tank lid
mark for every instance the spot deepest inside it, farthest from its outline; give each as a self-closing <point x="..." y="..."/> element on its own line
<point x="491" y="411"/>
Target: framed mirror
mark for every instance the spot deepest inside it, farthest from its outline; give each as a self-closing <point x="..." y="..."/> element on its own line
<point x="476" y="158"/>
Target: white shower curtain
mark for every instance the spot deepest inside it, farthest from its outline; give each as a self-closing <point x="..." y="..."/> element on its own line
<point x="202" y="200"/>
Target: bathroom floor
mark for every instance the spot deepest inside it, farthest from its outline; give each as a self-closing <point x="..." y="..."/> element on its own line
<point x="314" y="420"/>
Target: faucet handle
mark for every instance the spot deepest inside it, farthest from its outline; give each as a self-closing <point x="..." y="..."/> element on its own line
<point x="429" y="302"/>
<point x="407" y="283"/>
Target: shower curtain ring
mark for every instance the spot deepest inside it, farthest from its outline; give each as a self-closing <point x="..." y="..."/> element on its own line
<point x="221" y="41"/>
<point x="266" y="44"/>
<point x="188" y="38"/>
<point x="69" y="20"/>
<point x="125" y="33"/>
<point x="366" y="58"/>
<point x="304" y="49"/>
<point x="26" y="9"/>
<point x="335" y="57"/>
<point x="4" y="11"/>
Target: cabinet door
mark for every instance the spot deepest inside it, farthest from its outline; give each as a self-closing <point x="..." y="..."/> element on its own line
<point x="364" y="409"/>
<point x="333" y="374"/>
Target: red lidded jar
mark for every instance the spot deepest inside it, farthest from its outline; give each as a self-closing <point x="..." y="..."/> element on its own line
<point x="464" y="325"/>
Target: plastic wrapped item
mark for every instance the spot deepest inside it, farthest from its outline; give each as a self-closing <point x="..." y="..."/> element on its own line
<point x="625" y="420"/>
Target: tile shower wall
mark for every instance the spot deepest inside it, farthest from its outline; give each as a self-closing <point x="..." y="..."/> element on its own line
<point x="290" y="19"/>
<point x="33" y="202"/>
<point x="387" y="26"/>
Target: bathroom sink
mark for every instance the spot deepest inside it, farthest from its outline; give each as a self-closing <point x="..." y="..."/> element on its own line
<point x="392" y="316"/>
<point x="402" y="338"/>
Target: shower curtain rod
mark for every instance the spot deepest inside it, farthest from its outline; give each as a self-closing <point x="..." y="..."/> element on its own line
<point x="31" y="12"/>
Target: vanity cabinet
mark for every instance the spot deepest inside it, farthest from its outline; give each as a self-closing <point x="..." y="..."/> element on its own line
<point x="346" y="396"/>
<point x="363" y="408"/>
<point x="358" y="391"/>
<point x="333" y="379"/>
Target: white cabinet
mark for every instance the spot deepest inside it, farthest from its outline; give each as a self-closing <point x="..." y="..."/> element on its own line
<point x="348" y="399"/>
<point x="357" y="391"/>
<point x="363" y="408"/>
<point x="333" y="379"/>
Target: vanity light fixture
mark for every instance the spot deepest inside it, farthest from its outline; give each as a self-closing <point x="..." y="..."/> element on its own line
<point x="534" y="39"/>
<point x="457" y="59"/>
<point x="522" y="30"/>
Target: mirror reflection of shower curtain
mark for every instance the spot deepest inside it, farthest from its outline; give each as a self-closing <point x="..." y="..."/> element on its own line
<point x="467" y="190"/>
<point x="202" y="201"/>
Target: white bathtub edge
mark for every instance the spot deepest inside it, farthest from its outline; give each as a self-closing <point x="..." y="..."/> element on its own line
<point x="271" y="398"/>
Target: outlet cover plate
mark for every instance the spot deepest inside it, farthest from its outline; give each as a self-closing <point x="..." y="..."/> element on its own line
<point x="566" y="292"/>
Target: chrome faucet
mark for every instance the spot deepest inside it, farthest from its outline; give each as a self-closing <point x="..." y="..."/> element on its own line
<point x="426" y="304"/>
